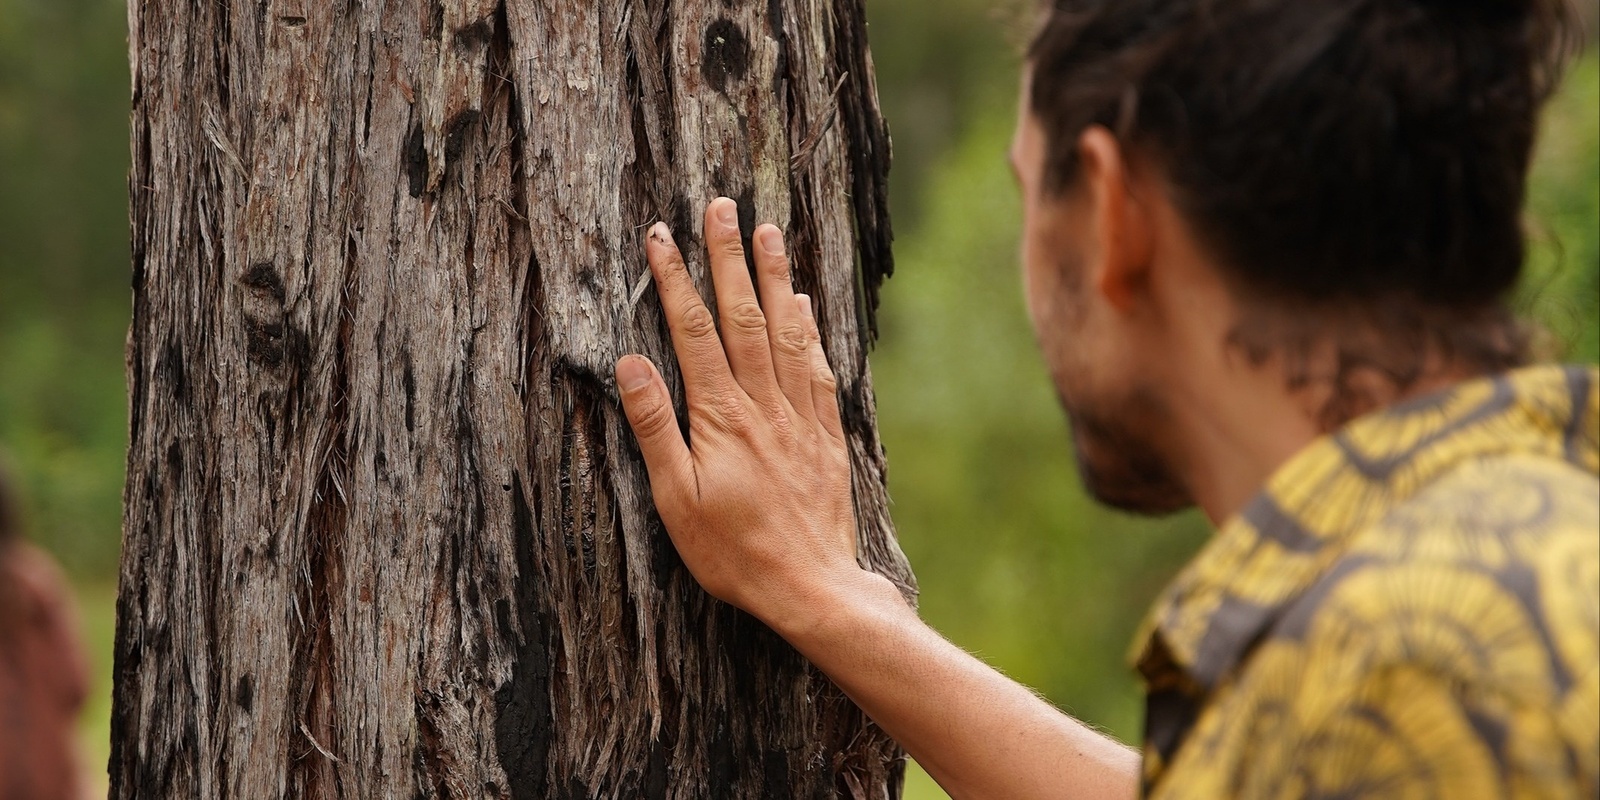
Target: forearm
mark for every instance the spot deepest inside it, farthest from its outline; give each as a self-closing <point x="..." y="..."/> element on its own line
<point x="978" y="733"/>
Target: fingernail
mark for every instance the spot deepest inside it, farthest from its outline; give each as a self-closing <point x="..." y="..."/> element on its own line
<point x="633" y="373"/>
<point x="805" y="304"/>
<point x="661" y="233"/>
<point x="726" y="210"/>
<point x="771" y="240"/>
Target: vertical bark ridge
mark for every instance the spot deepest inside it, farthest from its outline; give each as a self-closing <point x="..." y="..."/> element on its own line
<point x="387" y="530"/>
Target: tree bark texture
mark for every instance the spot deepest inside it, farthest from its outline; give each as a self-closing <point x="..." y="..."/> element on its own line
<point x="387" y="532"/>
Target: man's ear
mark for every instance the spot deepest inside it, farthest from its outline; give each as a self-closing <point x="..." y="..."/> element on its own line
<point x="1121" y="224"/>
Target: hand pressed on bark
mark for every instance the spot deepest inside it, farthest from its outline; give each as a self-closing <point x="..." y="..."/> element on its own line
<point x="757" y="501"/>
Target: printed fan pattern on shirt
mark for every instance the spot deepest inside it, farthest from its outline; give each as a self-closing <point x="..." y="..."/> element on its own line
<point x="1410" y="609"/>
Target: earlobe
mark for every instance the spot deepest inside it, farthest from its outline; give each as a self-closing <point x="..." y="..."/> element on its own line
<point x="1121" y="225"/>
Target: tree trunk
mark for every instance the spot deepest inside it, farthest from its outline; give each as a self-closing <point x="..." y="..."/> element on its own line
<point x="387" y="532"/>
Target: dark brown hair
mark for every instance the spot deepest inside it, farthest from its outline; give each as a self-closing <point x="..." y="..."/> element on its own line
<point x="1328" y="152"/>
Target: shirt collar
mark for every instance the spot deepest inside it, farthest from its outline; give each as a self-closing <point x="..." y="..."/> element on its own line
<point x="1290" y="534"/>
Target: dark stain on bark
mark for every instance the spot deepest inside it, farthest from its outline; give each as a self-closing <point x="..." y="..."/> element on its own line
<point x="869" y="156"/>
<point x="264" y="340"/>
<point x="725" y="54"/>
<point x="408" y="380"/>
<point x="655" y="775"/>
<point x="471" y="39"/>
<point x="436" y="20"/>
<point x="416" y="161"/>
<point x="855" y="403"/>
<point x="266" y="335"/>
<point x="244" y="692"/>
<point x="174" y="463"/>
<point x="721" y="762"/>
<point x="276" y="346"/>
<point x="171" y="367"/>
<point x="778" y="771"/>
<point x="455" y="139"/>
<point x="523" y="723"/>
<point x="263" y="277"/>
<point x="780" y="74"/>
<point x="746" y="197"/>
<point x="682" y="224"/>
<point x="589" y="279"/>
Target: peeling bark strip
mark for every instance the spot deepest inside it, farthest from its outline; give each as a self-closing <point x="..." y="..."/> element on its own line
<point x="387" y="534"/>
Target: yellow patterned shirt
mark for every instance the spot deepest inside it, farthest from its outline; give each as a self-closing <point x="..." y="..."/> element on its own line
<point x="1410" y="609"/>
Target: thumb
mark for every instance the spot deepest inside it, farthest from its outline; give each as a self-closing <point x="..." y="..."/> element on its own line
<point x="649" y="408"/>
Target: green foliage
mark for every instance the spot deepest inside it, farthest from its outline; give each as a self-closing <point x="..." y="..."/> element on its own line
<point x="64" y="269"/>
<point x="941" y="66"/>
<point x="1563" y="283"/>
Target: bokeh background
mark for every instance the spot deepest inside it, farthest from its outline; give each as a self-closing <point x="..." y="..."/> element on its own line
<point x="1016" y="564"/>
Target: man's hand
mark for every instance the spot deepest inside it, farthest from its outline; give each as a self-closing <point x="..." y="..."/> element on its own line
<point x="758" y="503"/>
<point x="758" y="500"/>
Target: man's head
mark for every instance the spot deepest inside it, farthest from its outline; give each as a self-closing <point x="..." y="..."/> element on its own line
<point x="1328" y="189"/>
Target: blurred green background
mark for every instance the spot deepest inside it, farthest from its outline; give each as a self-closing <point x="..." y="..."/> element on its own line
<point x="1016" y="564"/>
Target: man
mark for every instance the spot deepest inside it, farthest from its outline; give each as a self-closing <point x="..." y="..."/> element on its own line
<point x="1267" y="246"/>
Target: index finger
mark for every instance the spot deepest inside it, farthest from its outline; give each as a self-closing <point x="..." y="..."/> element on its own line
<point x="694" y="330"/>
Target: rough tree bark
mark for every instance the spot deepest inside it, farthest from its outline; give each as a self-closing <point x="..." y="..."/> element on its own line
<point x="387" y="534"/>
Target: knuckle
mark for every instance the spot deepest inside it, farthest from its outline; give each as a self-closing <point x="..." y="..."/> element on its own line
<point x="745" y="316"/>
<point x="814" y="334"/>
<point x="783" y="428"/>
<point x="670" y="261"/>
<point x="778" y="270"/>
<point x="652" y="418"/>
<point x="728" y="412"/>
<point x="792" y="340"/>
<point x="825" y="379"/>
<point x="674" y="272"/>
<point x="696" y="322"/>
<point x="724" y="410"/>
<point x="729" y="244"/>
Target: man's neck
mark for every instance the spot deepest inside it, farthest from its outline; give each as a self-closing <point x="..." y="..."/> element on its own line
<point x="1241" y="422"/>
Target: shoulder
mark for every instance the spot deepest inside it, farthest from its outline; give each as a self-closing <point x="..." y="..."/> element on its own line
<point x="1498" y="562"/>
<point x="1465" y="623"/>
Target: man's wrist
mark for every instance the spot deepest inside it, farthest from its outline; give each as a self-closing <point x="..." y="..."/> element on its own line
<point x="827" y="612"/>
